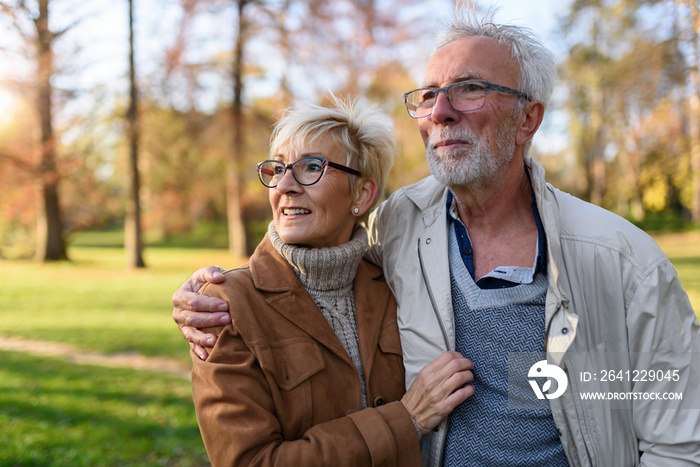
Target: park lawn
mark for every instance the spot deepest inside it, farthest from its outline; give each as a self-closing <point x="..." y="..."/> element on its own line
<point x="55" y="413"/>
<point x="94" y="303"/>
<point x="683" y="249"/>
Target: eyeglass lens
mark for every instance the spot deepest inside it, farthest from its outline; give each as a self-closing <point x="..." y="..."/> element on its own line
<point x="465" y="97"/>
<point x="306" y="171"/>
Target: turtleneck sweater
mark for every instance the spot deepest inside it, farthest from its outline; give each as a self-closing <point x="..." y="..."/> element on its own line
<point x="328" y="275"/>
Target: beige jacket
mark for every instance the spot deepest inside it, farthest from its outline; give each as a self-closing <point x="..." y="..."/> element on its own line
<point x="280" y="389"/>
<point x="614" y="301"/>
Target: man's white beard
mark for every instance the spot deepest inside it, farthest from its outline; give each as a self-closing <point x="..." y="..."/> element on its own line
<point x="474" y="165"/>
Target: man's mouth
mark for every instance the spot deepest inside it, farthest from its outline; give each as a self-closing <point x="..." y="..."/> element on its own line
<point x="295" y="211"/>
<point x="450" y="142"/>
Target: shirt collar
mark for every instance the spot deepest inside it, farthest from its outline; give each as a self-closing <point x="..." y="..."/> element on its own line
<point x="502" y="276"/>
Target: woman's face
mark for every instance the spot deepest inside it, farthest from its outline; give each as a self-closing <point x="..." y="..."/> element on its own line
<point x="318" y="215"/>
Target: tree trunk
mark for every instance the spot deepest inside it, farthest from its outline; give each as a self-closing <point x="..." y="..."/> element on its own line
<point x="50" y="242"/>
<point x="695" y="112"/>
<point x="132" y="225"/>
<point x="236" y="227"/>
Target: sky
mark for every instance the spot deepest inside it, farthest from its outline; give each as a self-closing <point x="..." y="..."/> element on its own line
<point x="542" y="16"/>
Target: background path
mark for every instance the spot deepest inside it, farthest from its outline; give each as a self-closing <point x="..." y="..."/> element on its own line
<point x="122" y="360"/>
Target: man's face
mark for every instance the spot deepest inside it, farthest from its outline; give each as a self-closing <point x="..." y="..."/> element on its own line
<point x="470" y="147"/>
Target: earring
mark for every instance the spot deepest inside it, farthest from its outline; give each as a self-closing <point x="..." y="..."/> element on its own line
<point x="356" y="211"/>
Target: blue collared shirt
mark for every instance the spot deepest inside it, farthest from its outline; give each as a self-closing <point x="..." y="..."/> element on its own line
<point x="502" y="276"/>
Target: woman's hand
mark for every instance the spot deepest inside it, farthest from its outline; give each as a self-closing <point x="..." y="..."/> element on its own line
<point x="438" y="389"/>
<point x="192" y="311"/>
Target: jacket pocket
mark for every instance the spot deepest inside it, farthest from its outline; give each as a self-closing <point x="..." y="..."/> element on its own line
<point x="389" y="341"/>
<point x="387" y="378"/>
<point x="290" y="362"/>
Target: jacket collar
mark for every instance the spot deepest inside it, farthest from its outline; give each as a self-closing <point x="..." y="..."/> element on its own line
<point x="549" y="214"/>
<point x="372" y="297"/>
<point x="547" y="198"/>
<point x="429" y="195"/>
<point x="271" y="272"/>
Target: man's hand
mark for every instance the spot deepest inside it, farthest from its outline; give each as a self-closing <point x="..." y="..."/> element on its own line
<point x="192" y="311"/>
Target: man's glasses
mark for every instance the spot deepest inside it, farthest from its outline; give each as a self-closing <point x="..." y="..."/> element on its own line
<point x="306" y="171"/>
<point x="465" y="96"/>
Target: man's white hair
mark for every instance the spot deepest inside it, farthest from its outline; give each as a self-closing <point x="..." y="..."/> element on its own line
<point x="538" y="66"/>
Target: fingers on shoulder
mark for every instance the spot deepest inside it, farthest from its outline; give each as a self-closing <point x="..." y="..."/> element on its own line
<point x="208" y="274"/>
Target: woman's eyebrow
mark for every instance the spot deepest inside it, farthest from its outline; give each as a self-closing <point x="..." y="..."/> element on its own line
<point x="307" y="154"/>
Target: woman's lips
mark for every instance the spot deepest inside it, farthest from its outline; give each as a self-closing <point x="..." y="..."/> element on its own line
<point x="295" y="211"/>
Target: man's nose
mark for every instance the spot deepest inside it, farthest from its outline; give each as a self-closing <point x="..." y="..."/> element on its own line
<point x="443" y="111"/>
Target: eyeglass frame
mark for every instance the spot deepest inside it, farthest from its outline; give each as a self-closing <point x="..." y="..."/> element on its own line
<point x="326" y="163"/>
<point x="488" y="86"/>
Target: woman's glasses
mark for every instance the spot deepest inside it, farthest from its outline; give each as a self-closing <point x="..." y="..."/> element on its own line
<point x="306" y="171"/>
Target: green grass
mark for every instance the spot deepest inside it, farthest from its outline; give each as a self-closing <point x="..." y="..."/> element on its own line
<point x="54" y="413"/>
<point x="95" y="303"/>
<point x="202" y="235"/>
<point x="683" y="249"/>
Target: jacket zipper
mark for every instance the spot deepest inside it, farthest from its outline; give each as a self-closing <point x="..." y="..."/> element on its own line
<point x="436" y="456"/>
<point x="432" y="298"/>
<point x="562" y="307"/>
<point x="590" y="446"/>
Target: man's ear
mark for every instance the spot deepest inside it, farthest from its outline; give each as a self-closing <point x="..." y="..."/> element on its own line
<point x="365" y="193"/>
<point x="531" y="121"/>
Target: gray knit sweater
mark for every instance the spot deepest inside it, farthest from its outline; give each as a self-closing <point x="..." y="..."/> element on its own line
<point x="328" y="275"/>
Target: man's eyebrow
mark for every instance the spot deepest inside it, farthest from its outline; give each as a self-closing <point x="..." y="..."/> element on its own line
<point x="465" y="77"/>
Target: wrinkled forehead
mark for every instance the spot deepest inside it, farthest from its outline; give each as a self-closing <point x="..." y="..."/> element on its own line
<point x="473" y="57"/>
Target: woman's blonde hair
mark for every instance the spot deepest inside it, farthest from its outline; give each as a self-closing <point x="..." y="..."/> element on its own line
<point x="359" y="128"/>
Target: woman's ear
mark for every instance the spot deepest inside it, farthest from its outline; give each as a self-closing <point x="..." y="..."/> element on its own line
<point x="365" y="193"/>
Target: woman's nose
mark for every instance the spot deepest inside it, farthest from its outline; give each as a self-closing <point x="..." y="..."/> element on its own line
<point x="288" y="183"/>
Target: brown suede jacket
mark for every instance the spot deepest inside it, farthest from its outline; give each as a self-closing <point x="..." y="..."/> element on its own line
<point x="280" y="389"/>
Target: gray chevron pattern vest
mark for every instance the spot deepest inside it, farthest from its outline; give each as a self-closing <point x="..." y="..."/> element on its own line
<point x="490" y="324"/>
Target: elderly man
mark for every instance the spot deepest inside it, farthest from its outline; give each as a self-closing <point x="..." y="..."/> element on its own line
<point x="487" y="259"/>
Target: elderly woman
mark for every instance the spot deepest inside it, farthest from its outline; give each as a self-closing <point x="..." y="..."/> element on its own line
<point x="310" y="370"/>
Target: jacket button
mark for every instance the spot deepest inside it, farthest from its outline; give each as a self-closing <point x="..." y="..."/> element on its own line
<point x="379" y="401"/>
